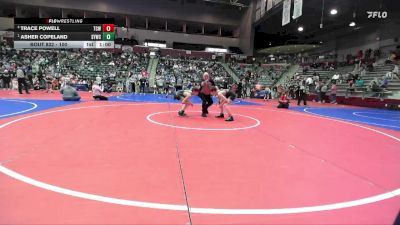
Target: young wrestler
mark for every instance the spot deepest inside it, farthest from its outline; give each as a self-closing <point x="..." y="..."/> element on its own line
<point x="225" y="97"/>
<point x="283" y="101"/>
<point x="184" y="96"/>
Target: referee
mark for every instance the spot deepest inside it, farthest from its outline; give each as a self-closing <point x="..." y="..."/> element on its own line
<point x="22" y="80"/>
<point x="205" y="94"/>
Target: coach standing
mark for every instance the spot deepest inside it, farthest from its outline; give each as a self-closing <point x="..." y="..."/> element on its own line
<point x="205" y="94"/>
<point x="22" y="80"/>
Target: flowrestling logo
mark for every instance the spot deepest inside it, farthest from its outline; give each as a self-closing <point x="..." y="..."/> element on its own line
<point x="377" y="14"/>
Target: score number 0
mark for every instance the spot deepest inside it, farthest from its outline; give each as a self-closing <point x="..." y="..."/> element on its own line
<point x="108" y="27"/>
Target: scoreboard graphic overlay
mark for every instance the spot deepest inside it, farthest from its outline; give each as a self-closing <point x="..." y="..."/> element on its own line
<point x="38" y="33"/>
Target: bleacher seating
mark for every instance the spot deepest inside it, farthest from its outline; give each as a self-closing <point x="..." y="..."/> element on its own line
<point x="170" y="70"/>
<point x="378" y="72"/>
<point x="264" y="74"/>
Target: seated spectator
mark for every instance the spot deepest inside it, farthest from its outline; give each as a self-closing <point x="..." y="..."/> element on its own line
<point x="324" y="89"/>
<point x="383" y="82"/>
<point x="355" y="77"/>
<point x="305" y="69"/>
<point x="373" y="85"/>
<point x="36" y="84"/>
<point x="317" y="91"/>
<point x="394" y="73"/>
<point x="120" y="87"/>
<point x="283" y="101"/>
<point x="396" y="70"/>
<point x="69" y="93"/>
<point x="333" y="93"/>
<point x="350" y="87"/>
<point x="370" y="67"/>
<point x="97" y="92"/>
<point x="316" y="77"/>
<point x="359" y="82"/>
<point x="350" y="76"/>
<point x="267" y="93"/>
<point x="390" y="75"/>
<point x="335" y="77"/>
<point x="309" y="81"/>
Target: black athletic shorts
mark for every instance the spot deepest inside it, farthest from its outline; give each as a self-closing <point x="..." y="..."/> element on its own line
<point x="231" y="95"/>
<point x="179" y="95"/>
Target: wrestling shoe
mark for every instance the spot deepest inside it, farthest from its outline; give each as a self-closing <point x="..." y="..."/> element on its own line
<point x="220" y="116"/>
<point x="181" y="113"/>
<point x="204" y="114"/>
<point x="229" y="119"/>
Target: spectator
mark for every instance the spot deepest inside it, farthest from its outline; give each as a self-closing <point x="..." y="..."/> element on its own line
<point x="359" y="82"/>
<point x="335" y="78"/>
<point x="309" y="81"/>
<point x="324" y="89"/>
<point x="350" y="87"/>
<point x="267" y="93"/>
<point x="160" y="85"/>
<point x="370" y="67"/>
<point x="396" y="69"/>
<point x="395" y="72"/>
<point x="274" y="92"/>
<point x="137" y="86"/>
<point x="333" y="93"/>
<point x="350" y="77"/>
<point x="318" y="91"/>
<point x="48" y="79"/>
<point x="383" y="82"/>
<point x="143" y="82"/>
<point x="373" y="85"/>
<point x="316" y="77"/>
<point x="6" y="80"/>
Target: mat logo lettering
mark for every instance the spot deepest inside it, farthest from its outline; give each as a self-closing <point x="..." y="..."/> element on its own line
<point x="377" y="14"/>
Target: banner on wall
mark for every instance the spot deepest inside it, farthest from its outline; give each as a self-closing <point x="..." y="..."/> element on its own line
<point x="269" y="4"/>
<point x="297" y="9"/>
<point x="286" y="12"/>
<point x="275" y="2"/>
<point x="263" y="2"/>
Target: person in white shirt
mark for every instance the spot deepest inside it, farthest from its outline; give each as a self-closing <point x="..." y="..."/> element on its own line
<point x="395" y="72"/>
<point x="310" y="81"/>
<point x="336" y="77"/>
<point x="97" y="92"/>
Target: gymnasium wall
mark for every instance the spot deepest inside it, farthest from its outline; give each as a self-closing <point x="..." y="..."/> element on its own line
<point x="152" y="8"/>
<point x="6" y="23"/>
<point x="170" y="37"/>
<point x="381" y="36"/>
